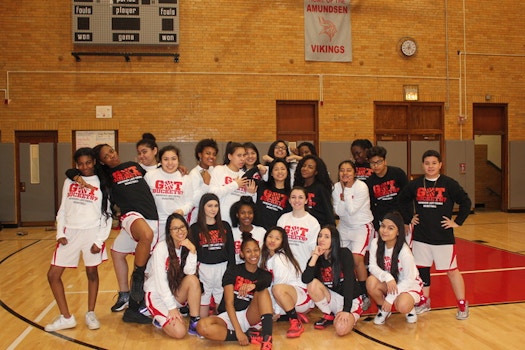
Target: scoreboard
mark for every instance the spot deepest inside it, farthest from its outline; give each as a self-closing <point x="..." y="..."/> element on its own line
<point x="125" y="22"/>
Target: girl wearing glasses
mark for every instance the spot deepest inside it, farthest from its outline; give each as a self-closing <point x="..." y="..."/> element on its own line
<point x="171" y="281"/>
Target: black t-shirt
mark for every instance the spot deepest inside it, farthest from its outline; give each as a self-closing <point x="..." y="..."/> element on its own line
<point x="319" y="203"/>
<point x="237" y="275"/>
<point x="218" y="249"/>
<point x="270" y="205"/>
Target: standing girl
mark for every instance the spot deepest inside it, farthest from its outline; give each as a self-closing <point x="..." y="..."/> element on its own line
<point x="352" y="204"/>
<point x="288" y="292"/>
<point x="394" y="279"/>
<point x="147" y="151"/>
<point x="313" y="176"/>
<point x="246" y="302"/>
<point x="272" y="195"/>
<point x="331" y="283"/>
<point x="242" y="214"/>
<point x="301" y="227"/>
<point x="215" y="249"/>
<point x="171" y="282"/>
<point x="83" y="224"/>
<point x="227" y="180"/>
<point x="252" y="165"/>
<point x="359" y="149"/>
<point x="131" y="193"/>
<point x="172" y="190"/>
<point x="206" y="154"/>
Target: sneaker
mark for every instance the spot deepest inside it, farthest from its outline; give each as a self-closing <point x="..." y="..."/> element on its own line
<point x="366" y="302"/>
<point x="254" y="335"/>
<point x="61" y="323"/>
<point x="122" y="302"/>
<point x="266" y="343"/>
<point x="133" y="316"/>
<point x="423" y="307"/>
<point x="411" y="316"/>
<point x="192" y="329"/>
<point x="92" y="320"/>
<point x="325" y="321"/>
<point x="462" y="314"/>
<point x="137" y="286"/>
<point x="143" y="309"/>
<point x="295" y="330"/>
<point x="381" y="317"/>
<point x="302" y="317"/>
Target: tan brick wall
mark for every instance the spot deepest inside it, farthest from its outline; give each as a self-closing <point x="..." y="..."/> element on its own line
<point x="239" y="57"/>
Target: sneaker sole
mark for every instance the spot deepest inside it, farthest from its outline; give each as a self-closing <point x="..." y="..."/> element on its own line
<point x="120" y="308"/>
<point x="295" y="334"/>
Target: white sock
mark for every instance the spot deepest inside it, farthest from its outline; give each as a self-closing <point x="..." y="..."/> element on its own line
<point x="323" y="306"/>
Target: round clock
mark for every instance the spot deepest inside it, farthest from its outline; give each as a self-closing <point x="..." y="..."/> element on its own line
<point x="408" y="47"/>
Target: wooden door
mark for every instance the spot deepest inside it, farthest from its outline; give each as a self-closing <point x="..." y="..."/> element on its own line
<point x="298" y="121"/>
<point x="37" y="192"/>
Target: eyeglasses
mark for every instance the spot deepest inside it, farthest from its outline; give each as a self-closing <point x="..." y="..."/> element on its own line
<point x="378" y="163"/>
<point x="282" y="148"/>
<point x="178" y="229"/>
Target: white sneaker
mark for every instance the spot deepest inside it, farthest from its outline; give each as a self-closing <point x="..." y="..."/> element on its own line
<point x="423" y="307"/>
<point x="61" y="323"/>
<point x="411" y="316"/>
<point x="463" y="315"/>
<point x="92" y="321"/>
<point x="381" y="317"/>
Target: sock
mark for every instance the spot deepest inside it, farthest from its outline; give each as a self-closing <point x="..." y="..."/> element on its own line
<point x="267" y="324"/>
<point x="140" y="269"/>
<point x="230" y="336"/>
<point x="462" y="304"/>
<point x="323" y="306"/>
<point x="291" y="314"/>
<point x="194" y="318"/>
<point x="362" y="284"/>
<point x="380" y="307"/>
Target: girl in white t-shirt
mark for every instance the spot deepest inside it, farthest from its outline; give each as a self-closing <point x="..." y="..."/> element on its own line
<point x="301" y="227"/>
<point x="394" y="278"/>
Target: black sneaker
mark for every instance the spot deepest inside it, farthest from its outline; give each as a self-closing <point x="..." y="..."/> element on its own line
<point x="133" y="316"/>
<point x="254" y="335"/>
<point x="137" y="286"/>
<point x="327" y="320"/>
<point x="122" y="302"/>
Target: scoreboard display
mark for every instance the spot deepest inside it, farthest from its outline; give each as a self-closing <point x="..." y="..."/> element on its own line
<point x="125" y="22"/>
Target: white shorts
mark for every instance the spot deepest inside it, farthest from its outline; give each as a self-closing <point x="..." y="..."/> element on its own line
<point x="303" y="304"/>
<point x="357" y="238"/>
<point x="241" y="317"/>
<point x="211" y="277"/>
<point x="337" y="302"/>
<point x="443" y="256"/>
<point x="78" y="240"/>
<point x="128" y="244"/>
<point x="158" y="309"/>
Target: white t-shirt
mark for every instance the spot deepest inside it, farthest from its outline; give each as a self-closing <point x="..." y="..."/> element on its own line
<point x="258" y="233"/>
<point x="302" y="235"/>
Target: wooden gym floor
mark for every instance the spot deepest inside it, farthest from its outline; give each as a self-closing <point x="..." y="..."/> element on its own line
<point x="491" y="255"/>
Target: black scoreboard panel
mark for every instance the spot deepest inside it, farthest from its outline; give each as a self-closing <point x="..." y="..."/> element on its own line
<point x="125" y="22"/>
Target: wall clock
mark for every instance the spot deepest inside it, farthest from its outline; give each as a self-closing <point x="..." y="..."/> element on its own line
<point x="408" y="47"/>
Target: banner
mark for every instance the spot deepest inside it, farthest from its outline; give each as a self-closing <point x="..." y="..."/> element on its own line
<point x="327" y="34"/>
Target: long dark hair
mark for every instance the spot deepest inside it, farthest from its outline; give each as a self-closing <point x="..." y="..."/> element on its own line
<point x="397" y="219"/>
<point x="175" y="269"/>
<point x="201" y="217"/>
<point x="251" y="145"/>
<point x="321" y="177"/>
<point x="104" y="184"/>
<point x="283" y="249"/>
<point x="271" y="149"/>
<point x="231" y="147"/>
<point x="335" y="254"/>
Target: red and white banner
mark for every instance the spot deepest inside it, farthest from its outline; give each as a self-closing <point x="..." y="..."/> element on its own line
<point x="327" y="34"/>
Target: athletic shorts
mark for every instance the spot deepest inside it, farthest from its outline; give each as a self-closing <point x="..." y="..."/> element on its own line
<point x="303" y="304"/>
<point x="125" y="243"/>
<point x="356" y="238"/>
<point x="241" y="317"/>
<point x="78" y="240"/>
<point x="211" y="277"/>
<point x="443" y="256"/>
<point x="158" y="309"/>
<point x="337" y="302"/>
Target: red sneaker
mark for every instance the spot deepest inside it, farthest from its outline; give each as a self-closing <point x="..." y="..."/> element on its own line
<point x="302" y="317"/>
<point x="267" y="343"/>
<point x="296" y="329"/>
<point x="254" y="335"/>
<point x="324" y="322"/>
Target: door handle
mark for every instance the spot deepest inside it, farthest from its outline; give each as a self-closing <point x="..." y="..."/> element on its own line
<point x="22" y="186"/>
